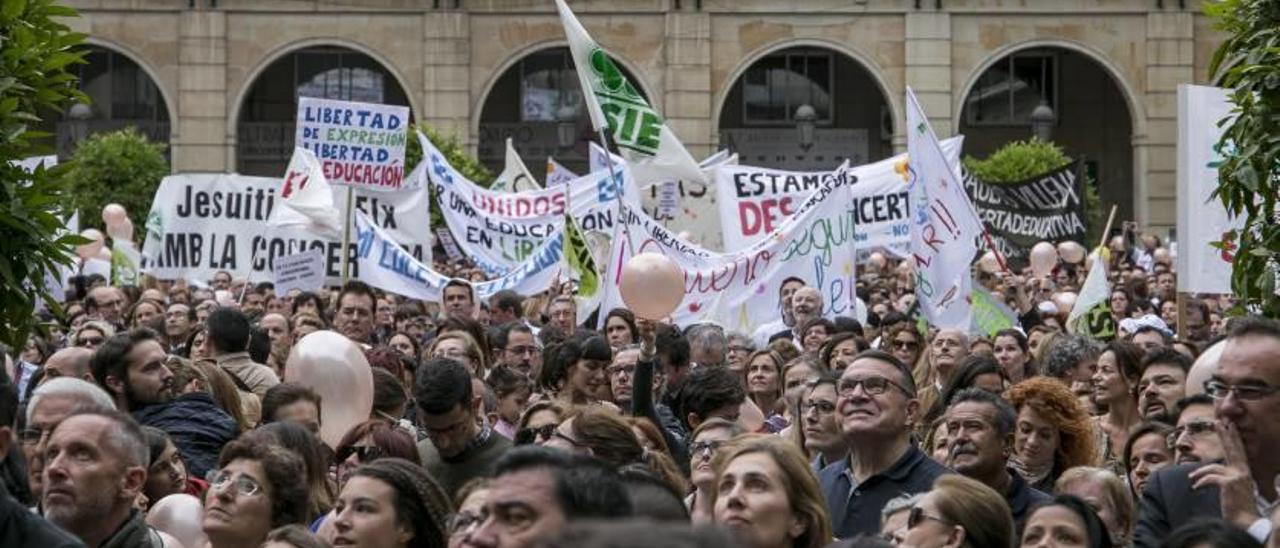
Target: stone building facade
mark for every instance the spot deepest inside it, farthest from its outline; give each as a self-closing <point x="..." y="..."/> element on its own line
<point x="723" y="72"/>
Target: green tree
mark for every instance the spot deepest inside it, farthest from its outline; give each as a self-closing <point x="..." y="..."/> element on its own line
<point x="35" y="50"/>
<point x="120" y="167"/>
<point x="1249" y="177"/>
<point x="1021" y="160"/>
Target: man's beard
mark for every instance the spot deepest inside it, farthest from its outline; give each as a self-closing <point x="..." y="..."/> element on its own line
<point x="137" y="401"/>
<point x="87" y="507"/>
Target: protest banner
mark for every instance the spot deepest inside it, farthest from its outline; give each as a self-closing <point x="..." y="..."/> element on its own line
<point x="737" y="289"/>
<point x="201" y="223"/>
<point x="754" y="200"/>
<point x="944" y="226"/>
<point x="558" y="174"/>
<point x="358" y="144"/>
<point x="386" y="265"/>
<point x="1202" y="220"/>
<point x="450" y="246"/>
<point x="302" y="271"/>
<point x="499" y="230"/>
<point x="1045" y="208"/>
<point x="515" y="176"/>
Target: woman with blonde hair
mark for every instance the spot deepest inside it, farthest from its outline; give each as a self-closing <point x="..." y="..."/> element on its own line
<point x="767" y="495"/>
<point x="460" y="346"/>
<point x="1053" y="432"/>
<point x="960" y="512"/>
<point x="1106" y="493"/>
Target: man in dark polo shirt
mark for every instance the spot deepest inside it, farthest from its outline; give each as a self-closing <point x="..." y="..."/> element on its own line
<point x="876" y="402"/>
<point x="980" y="426"/>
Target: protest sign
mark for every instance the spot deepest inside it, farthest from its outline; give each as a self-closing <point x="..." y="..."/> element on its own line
<point x="302" y="271"/>
<point x="1044" y="208"/>
<point x="753" y="200"/>
<point x="450" y="246"/>
<point x="201" y="223"/>
<point x="386" y="265"/>
<point x="736" y="289"/>
<point x="358" y="144"/>
<point x="1202" y="219"/>
<point x="558" y="174"/>
<point x="944" y="226"/>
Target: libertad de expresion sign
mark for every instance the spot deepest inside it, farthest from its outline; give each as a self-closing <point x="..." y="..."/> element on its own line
<point x="358" y="144"/>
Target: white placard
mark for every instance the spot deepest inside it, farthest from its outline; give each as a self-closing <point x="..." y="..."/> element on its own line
<point x="303" y="271"/>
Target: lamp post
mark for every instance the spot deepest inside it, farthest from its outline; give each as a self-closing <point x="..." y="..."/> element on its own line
<point x="1042" y="121"/>
<point x="566" y="128"/>
<point x="78" y="127"/>
<point x="805" y="117"/>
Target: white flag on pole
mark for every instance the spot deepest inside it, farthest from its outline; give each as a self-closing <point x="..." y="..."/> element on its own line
<point x="944" y="226"/>
<point x="515" y="176"/>
<point x="1094" y="291"/>
<point x="1202" y="219"/>
<point x="307" y="198"/>
<point x="639" y="132"/>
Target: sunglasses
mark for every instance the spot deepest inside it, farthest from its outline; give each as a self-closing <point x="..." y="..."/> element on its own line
<point x="917" y="516"/>
<point x="363" y="453"/>
<point x="529" y="435"/>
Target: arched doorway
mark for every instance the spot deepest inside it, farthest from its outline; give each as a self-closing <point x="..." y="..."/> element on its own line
<point x="265" y="127"/>
<point x="121" y="94"/>
<point x="538" y="103"/>
<point x="1092" y="120"/>
<point x="806" y="108"/>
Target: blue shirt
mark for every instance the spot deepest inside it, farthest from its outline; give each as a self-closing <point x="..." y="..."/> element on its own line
<point x="855" y="509"/>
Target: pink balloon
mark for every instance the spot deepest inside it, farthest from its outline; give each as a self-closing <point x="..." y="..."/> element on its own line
<point x="1065" y="301"/>
<point x="91" y="249"/>
<point x="1043" y="258"/>
<point x="114" y="214"/>
<point x="335" y="367"/>
<point x="122" y="230"/>
<point x="180" y="516"/>
<point x="1071" y="252"/>
<point x="652" y="285"/>
<point x="988" y="262"/>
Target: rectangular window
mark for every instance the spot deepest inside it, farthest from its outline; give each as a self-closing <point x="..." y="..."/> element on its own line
<point x="774" y="87"/>
<point x="1007" y="92"/>
<point x="549" y="89"/>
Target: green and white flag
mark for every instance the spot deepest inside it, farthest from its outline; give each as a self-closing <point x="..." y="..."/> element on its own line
<point x="642" y="137"/>
<point x="1091" y="315"/>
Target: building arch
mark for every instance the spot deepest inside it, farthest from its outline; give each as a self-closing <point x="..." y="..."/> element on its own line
<point x="171" y="106"/>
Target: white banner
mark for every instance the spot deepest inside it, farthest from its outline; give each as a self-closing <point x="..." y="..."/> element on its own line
<point x="753" y="200"/>
<point x="515" y="176"/>
<point x="387" y="266"/>
<point x="738" y="289"/>
<point x="201" y="223"/>
<point x="944" y="226"/>
<point x="499" y="230"/>
<point x="359" y="144"/>
<point x="558" y="174"/>
<point x="302" y="271"/>
<point x="1202" y="219"/>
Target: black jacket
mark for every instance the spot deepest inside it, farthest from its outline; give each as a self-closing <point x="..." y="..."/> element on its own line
<point x="19" y="527"/>
<point x="197" y="426"/>
<point x="1168" y="501"/>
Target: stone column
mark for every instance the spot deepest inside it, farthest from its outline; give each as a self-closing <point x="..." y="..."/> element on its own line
<point x="687" y="102"/>
<point x="200" y="138"/>
<point x="928" y="64"/>
<point x="1170" y="61"/>
<point x="446" y="76"/>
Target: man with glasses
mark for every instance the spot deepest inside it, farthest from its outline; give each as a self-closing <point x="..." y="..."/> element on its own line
<point x="622" y="373"/>
<point x="354" y="318"/>
<point x="1195" y="438"/>
<point x="535" y="492"/>
<point x="822" y="435"/>
<point x="96" y="466"/>
<point x="520" y="350"/>
<point x="221" y="280"/>
<point x="1241" y="489"/>
<point x="105" y="303"/>
<point x="739" y="347"/>
<point x="457" y="449"/>
<point x="877" y="406"/>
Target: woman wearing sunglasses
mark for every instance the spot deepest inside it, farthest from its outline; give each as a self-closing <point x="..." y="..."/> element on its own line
<point x="367" y="442"/>
<point x="959" y="512"/>
<point x="257" y="487"/>
<point x="538" y="423"/>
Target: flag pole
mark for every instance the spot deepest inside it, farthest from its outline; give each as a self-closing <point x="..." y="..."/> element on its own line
<point x="986" y="236"/>
<point x="346" y="236"/>
<point x="613" y="179"/>
<point x="1110" y="219"/>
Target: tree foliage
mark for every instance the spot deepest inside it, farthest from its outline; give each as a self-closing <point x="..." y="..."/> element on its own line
<point x="35" y="50"/>
<point x="120" y="167"/>
<point x="1249" y="176"/>
<point x="1018" y="161"/>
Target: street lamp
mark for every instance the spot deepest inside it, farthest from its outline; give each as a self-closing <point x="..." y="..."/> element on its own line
<point x="1042" y="120"/>
<point x="567" y="128"/>
<point x="78" y="127"/>
<point x="805" y="117"/>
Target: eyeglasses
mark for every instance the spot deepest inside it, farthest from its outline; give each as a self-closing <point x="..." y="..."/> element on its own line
<point x="364" y="453"/>
<point x="90" y="341"/>
<point x="1195" y="428"/>
<point x="917" y="516"/>
<point x="462" y="521"/>
<point x="873" y="386"/>
<point x="705" y="448"/>
<point x="906" y="345"/>
<point x="822" y="407"/>
<point x="629" y="370"/>
<point x="32" y="436"/>
<point x="244" y="485"/>
<point x="529" y="435"/>
<point x="1219" y="390"/>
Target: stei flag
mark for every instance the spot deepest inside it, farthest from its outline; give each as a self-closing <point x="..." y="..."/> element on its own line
<point x="641" y="135"/>
<point x="307" y="197"/>
<point x="944" y="226"/>
<point x="1091" y="315"/>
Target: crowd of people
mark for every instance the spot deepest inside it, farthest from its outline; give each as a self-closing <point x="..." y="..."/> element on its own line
<point x="164" y="415"/>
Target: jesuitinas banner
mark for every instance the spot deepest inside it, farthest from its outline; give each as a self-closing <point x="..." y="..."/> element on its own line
<point x="202" y="223"/>
<point x="1048" y="207"/>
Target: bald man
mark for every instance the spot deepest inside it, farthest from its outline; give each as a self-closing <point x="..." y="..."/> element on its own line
<point x="69" y="362"/>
